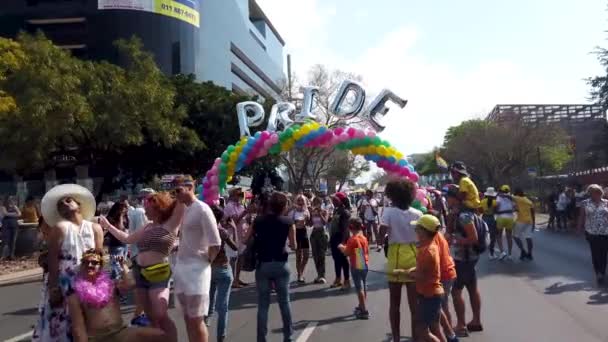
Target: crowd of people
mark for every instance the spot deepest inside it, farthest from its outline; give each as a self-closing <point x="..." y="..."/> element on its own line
<point x="165" y="241"/>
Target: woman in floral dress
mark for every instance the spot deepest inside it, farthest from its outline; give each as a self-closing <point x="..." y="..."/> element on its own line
<point x="67" y="209"/>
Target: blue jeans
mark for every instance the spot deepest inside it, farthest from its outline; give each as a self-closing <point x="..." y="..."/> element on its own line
<point x="115" y="253"/>
<point x="278" y="273"/>
<point x="221" y="281"/>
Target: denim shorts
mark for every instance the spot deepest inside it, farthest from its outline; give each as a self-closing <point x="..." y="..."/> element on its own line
<point x="465" y="274"/>
<point x="359" y="278"/>
<point x="429" y="309"/>
<point x="143" y="283"/>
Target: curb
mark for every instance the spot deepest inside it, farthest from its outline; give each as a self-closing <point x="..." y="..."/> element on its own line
<point x="15" y="277"/>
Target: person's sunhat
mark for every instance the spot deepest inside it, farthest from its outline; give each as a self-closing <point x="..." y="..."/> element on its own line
<point x="490" y="192"/>
<point x="428" y="222"/>
<point x="82" y="195"/>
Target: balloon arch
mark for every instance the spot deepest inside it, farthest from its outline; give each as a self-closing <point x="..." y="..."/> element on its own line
<point x="309" y="134"/>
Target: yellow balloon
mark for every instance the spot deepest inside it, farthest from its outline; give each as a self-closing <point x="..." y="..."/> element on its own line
<point x="382" y="151"/>
<point x="229" y="179"/>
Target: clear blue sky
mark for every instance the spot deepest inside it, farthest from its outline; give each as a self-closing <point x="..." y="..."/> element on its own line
<point x="452" y="60"/>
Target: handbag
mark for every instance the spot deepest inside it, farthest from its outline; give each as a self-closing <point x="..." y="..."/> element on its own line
<point x="249" y="259"/>
<point x="157" y="273"/>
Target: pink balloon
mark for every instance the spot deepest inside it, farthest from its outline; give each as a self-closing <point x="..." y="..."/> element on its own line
<point x="217" y="161"/>
<point x="206" y="185"/>
<point x="414" y="177"/>
<point x="344" y="137"/>
<point x="351" y="132"/>
<point x="274" y="138"/>
<point x="370" y="134"/>
<point x="338" y="131"/>
<point x="214" y="180"/>
<point x="265" y="135"/>
<point x="359" y="134"/>
<point x="268" y="144"/>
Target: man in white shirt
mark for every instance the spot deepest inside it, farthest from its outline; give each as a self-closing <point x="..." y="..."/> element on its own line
<point x="562" y="210"/>
<point x="199" y="244"/>
<point x="368" y="211"/>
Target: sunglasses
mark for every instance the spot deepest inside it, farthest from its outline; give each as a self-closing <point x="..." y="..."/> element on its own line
<point x="92" y="262"/>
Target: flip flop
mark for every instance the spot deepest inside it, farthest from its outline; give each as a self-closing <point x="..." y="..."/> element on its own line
<point x="474" y="327"/>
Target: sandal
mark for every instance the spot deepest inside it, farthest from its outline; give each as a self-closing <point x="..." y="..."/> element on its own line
<point x="461" y="332"/>
<point x="474" y="327"/>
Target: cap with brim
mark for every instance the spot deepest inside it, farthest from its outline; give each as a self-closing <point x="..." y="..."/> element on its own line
<point x="48" y="205"/>
<point x="428" y="222"/>
<point x="146" y="191"/>
<point x="460" y="168"/>
<point x="505" y="188"/>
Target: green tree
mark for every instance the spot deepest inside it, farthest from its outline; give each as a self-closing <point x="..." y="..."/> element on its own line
<point x="502" y="152"/>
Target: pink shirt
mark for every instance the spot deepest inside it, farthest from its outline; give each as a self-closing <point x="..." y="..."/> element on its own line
<point x="234" y="210"/>
<point x="198" y="232"/>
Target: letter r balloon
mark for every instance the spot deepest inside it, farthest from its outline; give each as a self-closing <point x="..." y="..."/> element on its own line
<point x="280" y="114"/>
<point x="245" y="120"/>
<point x="378" y="108"/>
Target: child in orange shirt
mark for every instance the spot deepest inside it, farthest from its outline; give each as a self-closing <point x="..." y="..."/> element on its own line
<point x="357" y="250"/>
<point x="428" y="279"/>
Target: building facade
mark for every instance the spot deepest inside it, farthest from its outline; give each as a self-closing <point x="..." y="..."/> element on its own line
<point x="585" y="125"/>
<point x="229" y="42"/>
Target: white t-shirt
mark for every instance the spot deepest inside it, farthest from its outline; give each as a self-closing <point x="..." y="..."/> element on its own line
<point x="198" y="232"/>
<point x="562" y="202"/>
<point x="399" y="222"/>
<point x="137" y="220"/>
<point x="505" y="204"/>
<point x="367" y="206"/>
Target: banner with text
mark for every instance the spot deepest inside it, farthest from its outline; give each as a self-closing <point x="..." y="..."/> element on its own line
<point x="184" y="10"/>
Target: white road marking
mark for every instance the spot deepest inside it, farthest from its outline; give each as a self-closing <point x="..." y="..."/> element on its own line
<point x="21" y="337"/>
<point x="307" y="332"/>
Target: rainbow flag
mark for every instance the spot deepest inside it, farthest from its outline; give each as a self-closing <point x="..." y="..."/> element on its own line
<point x="360" y="263"/>
<point x="441" y="163"/>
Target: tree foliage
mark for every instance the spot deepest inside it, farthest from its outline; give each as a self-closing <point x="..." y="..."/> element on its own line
<point x="307" y="166"/>
<point x="502" y="152"/>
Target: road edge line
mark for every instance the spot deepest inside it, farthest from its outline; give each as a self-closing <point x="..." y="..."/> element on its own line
<point x="310" y="327"/>
<point x="21" y="337"/>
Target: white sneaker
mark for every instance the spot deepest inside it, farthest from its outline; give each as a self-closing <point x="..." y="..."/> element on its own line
<point x="509" y="257"/>
<point x="503" y="255"/>
<point x="493" y="257"/>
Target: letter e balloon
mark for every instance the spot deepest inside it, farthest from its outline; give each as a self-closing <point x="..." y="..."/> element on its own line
<point x="378" y="108"/>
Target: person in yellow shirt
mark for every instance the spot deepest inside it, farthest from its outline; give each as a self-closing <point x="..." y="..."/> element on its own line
<point x="468" y="190"/>
<point x="30" y="212"/>
<point x="524" y="224"/>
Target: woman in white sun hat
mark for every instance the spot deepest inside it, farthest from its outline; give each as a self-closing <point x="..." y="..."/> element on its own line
<point x="68" y="210"/>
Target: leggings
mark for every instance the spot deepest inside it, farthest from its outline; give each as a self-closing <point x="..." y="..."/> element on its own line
<point x="340" y="260"/>
<point x="599" y="252"/>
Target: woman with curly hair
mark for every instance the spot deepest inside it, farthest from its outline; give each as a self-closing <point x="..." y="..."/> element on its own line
<point x="397" y="221"/>
<point x="151" y="269"/>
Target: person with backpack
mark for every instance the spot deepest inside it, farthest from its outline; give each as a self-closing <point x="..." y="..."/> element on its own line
<point x="466" y="246"/>
<point x="488" y="209"/>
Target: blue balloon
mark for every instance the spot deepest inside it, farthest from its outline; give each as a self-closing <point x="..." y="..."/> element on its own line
<point x="402" y="162"/>
<point x="411" y="168"/>
<point x="258" y="134"/>
<point x="393" y="160"/>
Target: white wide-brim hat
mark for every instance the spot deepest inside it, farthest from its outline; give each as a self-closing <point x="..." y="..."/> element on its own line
<point x="491" y="192"/>
<point x="82" y="195"/>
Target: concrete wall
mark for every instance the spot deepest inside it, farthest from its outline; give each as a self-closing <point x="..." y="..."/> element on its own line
<point x="223" y="22"/>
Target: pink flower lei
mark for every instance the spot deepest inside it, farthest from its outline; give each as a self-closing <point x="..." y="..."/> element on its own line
<point x="96" y="294"/>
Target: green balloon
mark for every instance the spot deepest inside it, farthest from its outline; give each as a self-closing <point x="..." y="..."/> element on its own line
<point x="377" y="141"/>
<point x="367" y="141"/>
<point x="230" y="148"/>
<point x="223" y="168"/>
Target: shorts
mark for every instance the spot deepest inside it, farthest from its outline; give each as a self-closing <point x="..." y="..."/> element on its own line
<point x="465" y="274"/>
<point x="111" y="334"/>
<point x="359" y="278"/>
<point x="302" y="238"/>
<point x="505" y="223"/>
<point x="429" y="309"/>
<point x="143" y="283"/>
<point x="522" y="230"/>
<point x="192" y="285"/>
<point x="402" y="257"/>
<point x="447" y="289"/>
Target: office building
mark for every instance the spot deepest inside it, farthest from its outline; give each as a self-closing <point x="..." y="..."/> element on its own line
<point x="229" y="42"/>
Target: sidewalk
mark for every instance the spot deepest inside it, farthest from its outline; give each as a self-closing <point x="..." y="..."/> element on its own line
<point x="17" y="277"/>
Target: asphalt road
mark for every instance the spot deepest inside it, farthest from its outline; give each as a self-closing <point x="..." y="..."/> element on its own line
<point x="551" y="299"/>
